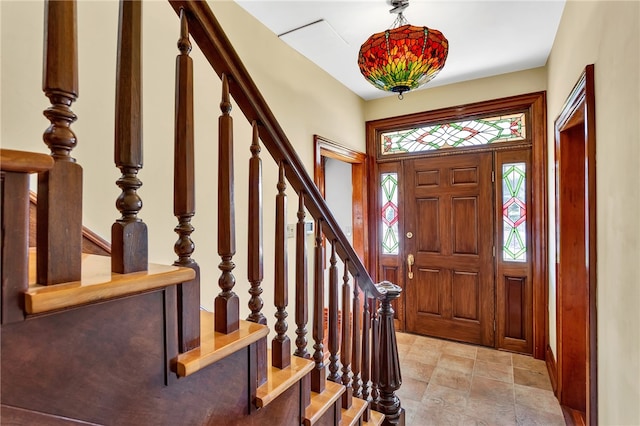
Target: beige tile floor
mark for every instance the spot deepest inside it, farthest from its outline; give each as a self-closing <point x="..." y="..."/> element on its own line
<point x="447" y="383"/>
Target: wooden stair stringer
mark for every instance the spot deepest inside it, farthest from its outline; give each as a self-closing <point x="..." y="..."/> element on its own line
<point x="322" y="402"/>
<point x="279" y="380"/>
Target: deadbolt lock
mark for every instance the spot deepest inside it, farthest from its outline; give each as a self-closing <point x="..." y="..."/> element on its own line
<point x="409" y="234"/>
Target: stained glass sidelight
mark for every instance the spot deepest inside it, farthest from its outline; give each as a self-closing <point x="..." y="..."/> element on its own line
<point x="389" y="213"/>
<point x="514" y="212"/>
<point x="466" y="133"/>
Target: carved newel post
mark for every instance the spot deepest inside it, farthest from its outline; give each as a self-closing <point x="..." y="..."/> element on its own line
<point x="389" y="376"/>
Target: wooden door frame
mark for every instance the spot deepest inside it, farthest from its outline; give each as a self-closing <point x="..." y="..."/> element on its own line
<point x="535" y="104"/>
<point x="579" y="110"/>
<point x="324" y="148"/>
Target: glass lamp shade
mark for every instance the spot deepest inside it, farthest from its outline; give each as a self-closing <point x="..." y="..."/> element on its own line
<point x="403" y="58"/>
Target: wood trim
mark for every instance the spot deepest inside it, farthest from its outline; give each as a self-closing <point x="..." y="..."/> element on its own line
<point x="507" y="311"/>
<point x="579" y="110"/>
<point x="539" y="225"/>
<point x="215" y="345"/>
<point x="14" y="249"/>
<point x="98" y="284"/>
<point x="23" y="416"/>
<point x="92" y="243"/>
<point x="281" y="379"/>
<point x="552" y="369"/>
<point x="535" y="104"/>
<point x="325" y="148"/>
<point x="24" y="162"/>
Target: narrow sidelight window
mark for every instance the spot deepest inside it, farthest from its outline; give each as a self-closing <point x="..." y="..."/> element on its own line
<point x="390" y="213"/>
<point x="514" y="212"/>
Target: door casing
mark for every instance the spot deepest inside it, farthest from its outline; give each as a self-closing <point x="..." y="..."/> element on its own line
<point x="535" y="105"/>
<point x="575" y="156"/>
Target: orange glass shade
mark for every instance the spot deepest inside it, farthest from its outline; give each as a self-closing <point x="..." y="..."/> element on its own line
<point x="403" y="58"/>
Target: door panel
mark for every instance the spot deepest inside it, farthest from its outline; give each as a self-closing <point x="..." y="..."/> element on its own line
<point x="465" y="295"/>
<point x="428" y="234"/>
<point x="464" y="217"/>
<point x="448" y="209"/>
<point x="429" y="295"/>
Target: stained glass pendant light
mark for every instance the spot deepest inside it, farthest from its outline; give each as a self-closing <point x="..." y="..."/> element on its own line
<point x="403" y="57"/>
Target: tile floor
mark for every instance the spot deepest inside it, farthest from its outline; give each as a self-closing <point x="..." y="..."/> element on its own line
<point x="447" y="383"/>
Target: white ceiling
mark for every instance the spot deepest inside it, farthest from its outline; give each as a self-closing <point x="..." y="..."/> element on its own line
<point x="485" y="37"/>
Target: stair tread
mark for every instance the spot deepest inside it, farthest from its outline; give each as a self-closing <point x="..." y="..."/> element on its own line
<point x="279" y="380"/>
<point x="375" y="418"/>
<point x="214" y="346"/>
<point x="350" y="416"/>
<point x="321" y="402"/>
<point x="98" y="283"/>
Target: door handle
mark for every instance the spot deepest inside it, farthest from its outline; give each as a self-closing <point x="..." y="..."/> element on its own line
<point x="410" y="262"/>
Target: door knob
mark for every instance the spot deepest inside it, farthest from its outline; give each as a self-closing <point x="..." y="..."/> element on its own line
<point x="410" y="262"/>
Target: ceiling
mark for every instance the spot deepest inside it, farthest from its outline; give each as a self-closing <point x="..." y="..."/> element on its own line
<point x="486" y="38"/>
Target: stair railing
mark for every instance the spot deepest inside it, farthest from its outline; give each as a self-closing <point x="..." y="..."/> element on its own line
<point x="370" y="367"/>
<point x="376" y="345"/>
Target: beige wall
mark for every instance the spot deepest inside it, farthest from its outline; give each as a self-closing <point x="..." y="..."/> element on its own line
<point x="517" y="83"/>
<point x="607" y="34"/>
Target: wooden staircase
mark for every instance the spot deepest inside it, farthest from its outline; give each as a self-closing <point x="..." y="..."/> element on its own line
<point x="94" y="339"/>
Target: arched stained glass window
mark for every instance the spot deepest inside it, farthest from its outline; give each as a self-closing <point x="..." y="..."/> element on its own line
<point x="464" y="133"/>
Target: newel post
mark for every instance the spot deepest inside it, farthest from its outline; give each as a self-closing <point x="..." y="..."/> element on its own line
<point x="389" y="376"/>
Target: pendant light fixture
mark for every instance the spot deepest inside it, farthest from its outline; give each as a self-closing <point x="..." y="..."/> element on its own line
<point x="403" y="57"/>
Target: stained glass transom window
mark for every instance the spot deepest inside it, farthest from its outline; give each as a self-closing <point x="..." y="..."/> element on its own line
<point x="466" y="133"/>
<point x="389" y="213"/>
<point x="514" y="212"/>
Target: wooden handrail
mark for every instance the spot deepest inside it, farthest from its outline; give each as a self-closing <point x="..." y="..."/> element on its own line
<point x="218" y="50"/>
<point x="24" y="162"/>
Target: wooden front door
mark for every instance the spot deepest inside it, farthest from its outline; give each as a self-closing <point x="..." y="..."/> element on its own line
<point x="448" y="247"/>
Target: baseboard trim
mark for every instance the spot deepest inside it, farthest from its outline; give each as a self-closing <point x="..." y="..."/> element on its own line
<point x="552" y="368"/>
<point x="573" y="417"/>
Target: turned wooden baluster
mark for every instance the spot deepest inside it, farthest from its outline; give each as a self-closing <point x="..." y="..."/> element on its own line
<point x="333" y="316"/>
<point x="375" y="353"/>
<point x="227" y="304"/>
<point x="318" y="374"/>
<point x="184" y="197"/>
<point x="59" y="226"/>
<point x="255" y="270"/>
<point x="345" y="345"/>
<point x="254" y="257"/>
<point x="356" y="383"/>
<point x="366" y="355"/>
<point x="301" y="282"/>
<point x="129" y="251"/>
<point x="389" y="377"/>
<point x="281" y="345"/>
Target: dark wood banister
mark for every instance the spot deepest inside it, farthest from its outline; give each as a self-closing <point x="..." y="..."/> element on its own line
<point x="218" y="50"/>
